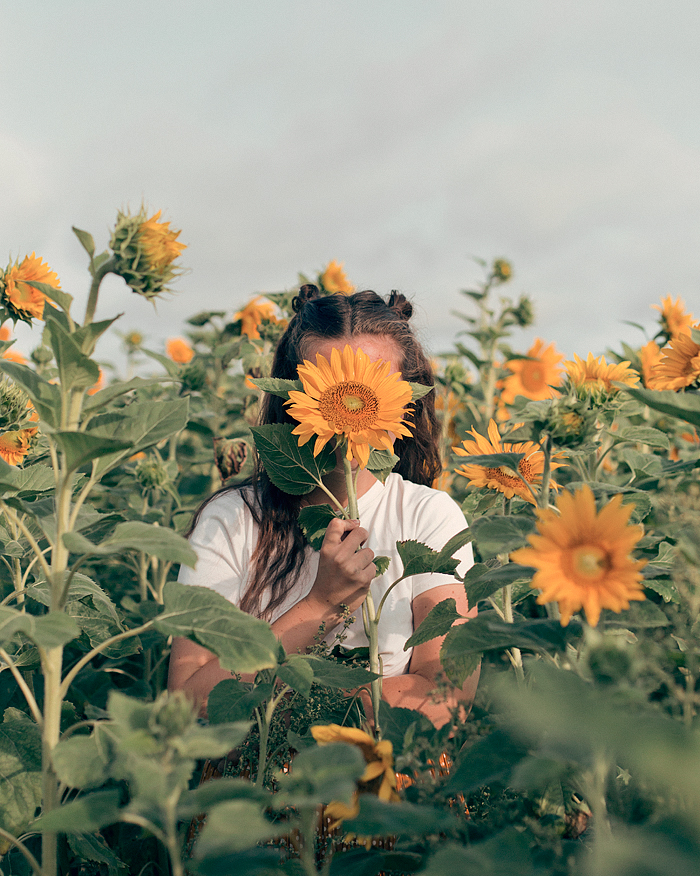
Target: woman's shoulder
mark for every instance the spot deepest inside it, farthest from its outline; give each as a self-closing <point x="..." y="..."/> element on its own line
<point x="227" y="507"/>
<point x="409" y="493"/>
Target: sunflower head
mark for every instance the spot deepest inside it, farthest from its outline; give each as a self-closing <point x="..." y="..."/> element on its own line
<point x="15" y="445"/>
<point x="144" y="252"/>
<point x="498" y="478"/>
<point x="333" y="279"/>
<point x="678" y="366"/>
<point x="595" y="377"/>
<point x="179" y="351"/>
<point x="252" y="316"/>
<point x="359" y="401"/>
<point x="673" y="316"/>
<point x="582" y="556"/>
<point x="24" y="302"/>
<point x="501" y="270"/>
<point x="535" y="376"/>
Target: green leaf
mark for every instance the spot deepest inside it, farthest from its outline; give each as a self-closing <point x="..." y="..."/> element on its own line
<point x="681" y="405"/>
<point x="231" y="700"/>
<point x="381" y="564"/>
<point x="45" y="396"/>
<point x="505" y="854"/>
<point x="86" y="240"/>
<point x="100" y="399"/>
<point x="61" y="298"/>
<point x="640" y="615"/>
<point x="82" y="761"/>
<point x="379" y="818"/>
<point x="84" y="815"/>
<point x="291" y="468"/>
<point x="496" y="535"/>
<point x="494" y="460"/>
<point x="314" y="520"/>
<point x="481" y="581"/>
<point x="321" y="774"/>
<point x="381" y="463"/>
<point x="210" y="793"/>
<point x="490" y="759"/>
<point x="297" y="673"/>
<point x="75" y="369"/>
<point x="87" y="336"/>
<point x="211" y="742"/>
<point x="241" y="642"/>
<point x="80" y="448"/>
<point x="437" y="623"/>
<point x="328" y="673"/>
<point x="643" y="435"/>
<point x="419" y="559"/>
<point x="135" y="535"/>
<point x="235" y="825"/>
<point x="25" y="481"/>
<point x="88" y="847"/>
<point x="46" y="630"/>
<point x="277" y="386"/>
<point x="418" y="390"/>
<point x="20" y="770"/>
<point x="399" y="725"/>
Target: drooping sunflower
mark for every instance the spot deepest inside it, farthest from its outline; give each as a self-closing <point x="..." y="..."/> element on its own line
<point x="583" y="556"/>
<point x="253" y="314"/>
<point x="649" y="356"/>
<point x="679" y="366"/>
<point x="596" y="376"/>
<point x="378" y="778"/>
<point x="179" y="351"/>
<point x="498" y="478"/>
<point x="22" y="300"/>
<point x="333" y="279"/>
<point x="14" y="446"/>
<point x="535" y="376"/>
<point x="673" y="316"/>
<point x="352" y="397"/>
<point x="144" y="252"/>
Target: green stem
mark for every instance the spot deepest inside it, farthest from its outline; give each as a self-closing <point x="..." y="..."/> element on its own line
<point x="374" y="663"/>
<point x="350" y="485"/>
<point x="52" y="660"/>
<point x="514" y="654"/>
<point x="543" y="501"/>
<point x="23" y="686"/>
<point x="99" y="275"/>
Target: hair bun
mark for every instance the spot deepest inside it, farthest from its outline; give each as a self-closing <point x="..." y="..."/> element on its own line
<point x="307" y="292"/>
<point x="400" y="305"/>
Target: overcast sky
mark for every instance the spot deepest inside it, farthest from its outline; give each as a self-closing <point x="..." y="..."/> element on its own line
<point x="399" y="137"/>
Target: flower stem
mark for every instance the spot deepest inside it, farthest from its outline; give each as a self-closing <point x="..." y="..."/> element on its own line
<point x="543" y="501"/>
<point x="99" y="275"/>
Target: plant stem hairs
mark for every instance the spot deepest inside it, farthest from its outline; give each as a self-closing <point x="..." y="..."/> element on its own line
<point x="281" y="548"/>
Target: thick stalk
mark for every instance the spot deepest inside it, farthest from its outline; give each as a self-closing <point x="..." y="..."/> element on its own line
<point x="52" y="661"/>
<point x="514" y="654"/>
<point x="376" y="687"/>
<point x="97" y="278"/>
<point x="543" y="500"/>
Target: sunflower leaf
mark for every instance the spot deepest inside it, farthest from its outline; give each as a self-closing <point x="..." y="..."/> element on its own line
<point x="382" y="463"/>
<point x="291" y="468"/>
<point x="382" y="564"/>
<point x="61" y="298"/>
<point x="494" y="460"/>
<point x="277" y="386"/>
<point x="496" y="535"/>
<point x="481" y="582"/>
<point x="314" y="520"/>
<point x="683" y="406"/>
<point x="86" y="240"/>
<point x="438" y="622"/>
<point x="419" y="559"/>
<point x="418" y="390"/>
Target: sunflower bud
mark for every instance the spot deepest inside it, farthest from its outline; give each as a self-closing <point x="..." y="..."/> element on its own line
<point x="230" y="455"/>
<point x="13" y="405"/>
<point x="151" y="474"/>
<point x="193" y="377"/>
<point x="570" y="421"/>
<point x="172" y="715"/>
<point x="523" y="312"/>
<point x="502" y="270"/>
<point x="144" y="250"/>
<point x="132" y="341"/>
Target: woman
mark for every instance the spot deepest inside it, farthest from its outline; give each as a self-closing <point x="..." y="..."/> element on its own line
<point x="251" y="550"/>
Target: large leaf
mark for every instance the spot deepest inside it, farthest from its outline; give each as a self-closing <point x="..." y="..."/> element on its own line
<point x="381" y="463"/>
<point x="418" y="559"/>
<point x="84" y="815"/>
<point x="82" y="761"/>
<point x="378" y="818"/>
<point x="438" y="622"/>
<point x="75" y="369"/>
<point x="496" y="535"/>
<point x="80" y="448"/>
<point x="505" y="854"/>
<point x="20" y="770"/>
<point x="321" y="774"/>
<point x="277" y="386"/>
<point x="45" y="396"/>
<point x="314" y="520"/>
<point x="63" y="299"/>
<point x="482" y="581"/>
<point x="232" y="701"/>
<point x="241" y="642"/>
<point x="87" y="336"/>
<point x="210" y="793"/>
<point x="328" y="673"/>
<point x="25" y="481"/>
<point x="297" y="673"/>
<point x="681" y="405"/>
<point x="291" y="468"/>
<point x="100" y="399"/>
<point x="490" y="759"/>
<point x="46" y="630"/>
<point x="156" y="541"/>
<point x="235" y="825"/>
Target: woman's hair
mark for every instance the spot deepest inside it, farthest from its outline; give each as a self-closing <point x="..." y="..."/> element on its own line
<point x="280" y="551"/>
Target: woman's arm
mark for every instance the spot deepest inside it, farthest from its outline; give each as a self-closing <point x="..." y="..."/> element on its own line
<point x="414" y="690"/>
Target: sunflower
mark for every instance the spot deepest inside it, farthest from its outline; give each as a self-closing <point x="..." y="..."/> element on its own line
<point x="674" y="318"/>
<point x="22" y="300"/>
<point x="498" y="478"/>
<point x="179" y="351"/>
<point x="679" y="366"/>
<point x="378" y="778"/>
<point x="583" y="556"/>
<point x="535" y="376"/>
<point x="253" y="314"/>
<point x="596" y="376"/>
<point x="353" y="397"/>
<point x="160" y="245"/>
<point x="649" y="356"/>
<point x="144" y="252"/>
<point x="333" y="279"/>
<point x="14" y="446"/>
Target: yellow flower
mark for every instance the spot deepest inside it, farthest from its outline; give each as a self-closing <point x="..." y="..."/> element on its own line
<point x="674" y="318"/>
<point x="596" y="376"/>
<point x="22" y="300"/>
<point x="14" y="446"/>
<point x="133" y="339"/>
<point x="533" y="377"/>
<point x="378" y="778"/>
<point x="679" y="366"/>
<point x="333" y="279"/>
<point x="650" y="356"/>
<point x="502" y="270"/>
<point x="353" y="397"/>
<point x="144" y="251"/>
<point x="179" y="351"/>
<point x="253" y="314"/>
<point x="583" y="556"/>
<point x="498" y="478"/>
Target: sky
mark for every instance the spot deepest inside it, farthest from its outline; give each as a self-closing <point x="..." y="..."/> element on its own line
<point x="403" y="138"/>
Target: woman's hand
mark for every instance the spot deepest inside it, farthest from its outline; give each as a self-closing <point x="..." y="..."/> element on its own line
<point x="345" y="569"/>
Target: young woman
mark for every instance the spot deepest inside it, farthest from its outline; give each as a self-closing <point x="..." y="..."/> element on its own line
<point x="251" y="550"/>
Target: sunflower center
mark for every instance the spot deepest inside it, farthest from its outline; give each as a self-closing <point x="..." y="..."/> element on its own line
<point x="589" y="563"/>
<point x="501" y="476"/>
<point x="532" y="377"/>
<point x="349" y="406"/>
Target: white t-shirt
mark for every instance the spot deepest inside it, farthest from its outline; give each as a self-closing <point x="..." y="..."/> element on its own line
<point x="226" y="535"/>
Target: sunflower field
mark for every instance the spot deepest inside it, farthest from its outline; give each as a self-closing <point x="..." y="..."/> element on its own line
<point x="580" y="489"/>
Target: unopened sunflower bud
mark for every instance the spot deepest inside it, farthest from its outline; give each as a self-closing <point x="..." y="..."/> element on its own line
<point x="230" y="455"/>
<point x="172" y="715"/>
<point x="193" y="377"/>
<point x="13" y="405"/>
<point x="144" y="250"/>
<point x="524" y="312"/>
<point x="502" y="270"/>
<point x="151" y="474"/>
<point x="41" y="355"/>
